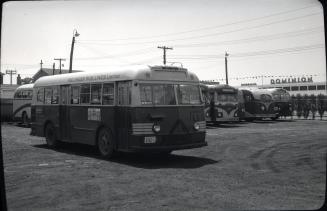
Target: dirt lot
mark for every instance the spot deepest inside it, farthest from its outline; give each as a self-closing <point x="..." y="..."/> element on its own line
<point x="259" y="165"/>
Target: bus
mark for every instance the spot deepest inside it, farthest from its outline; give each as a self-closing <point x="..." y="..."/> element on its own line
<point x="22" y="103"/>
<point x="283" y="101"/>
<point x="221" y="103"/>
<point x="258" y="104"/>
<point x="144" y="108"/>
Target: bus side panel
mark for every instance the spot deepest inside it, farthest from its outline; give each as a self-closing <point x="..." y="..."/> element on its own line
<point x="20" y="106"/>
<point x="122" y="126"/>
<point x="84" y="124"/>
<point x="43" y="115"/>
<point x="108" y="119"/>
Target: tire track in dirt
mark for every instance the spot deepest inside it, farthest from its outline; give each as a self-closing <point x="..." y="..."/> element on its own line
<point x="264" y="158"/>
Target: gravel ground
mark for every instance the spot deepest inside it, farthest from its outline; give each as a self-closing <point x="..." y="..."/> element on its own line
<point x="259" y="165"/>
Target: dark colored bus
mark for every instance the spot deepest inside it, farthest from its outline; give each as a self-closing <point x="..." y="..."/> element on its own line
<point x="221" y="103"/>
<point x="147" y="108"/>
<point x="283" y="101"/>
<point x="258" y="104"/>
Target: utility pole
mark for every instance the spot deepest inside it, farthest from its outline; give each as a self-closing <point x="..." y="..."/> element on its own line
<point x="76" y="34"/>
<point x="164" y="52"/>
<point x="226" y="71"/>
<point x="60" y="59"/>
<point x="11" y="72"/>
<point x="53" y="68"/>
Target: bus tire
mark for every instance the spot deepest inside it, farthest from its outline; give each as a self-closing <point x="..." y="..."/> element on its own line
<point x="24" y="118"/>
<point x="50" y="136"/>
<point x="105" y="143"/>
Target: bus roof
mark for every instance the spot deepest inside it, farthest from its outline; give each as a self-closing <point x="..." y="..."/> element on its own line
<point x="149" y="73"/>
<point x="220" y="87"/>
<point x="25" y="86"/>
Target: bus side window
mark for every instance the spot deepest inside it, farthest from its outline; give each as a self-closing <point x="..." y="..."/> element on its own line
<point x="75" y="95"/>
<point x="47" y="95"/>
<point x="96" y="93"/>
<point x="29" y="94"/>
<point x="108" y="94"/>
<point x="85" y="94"/>
<point x="146" y="94"/>
<point x="40" y="95"/>
<point x="124" y="93"/>
<point x="55" y="96"/>
<point x="17" y="94"/>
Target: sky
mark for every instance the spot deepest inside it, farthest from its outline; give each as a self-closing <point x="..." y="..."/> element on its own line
<point x="264" y="39"/>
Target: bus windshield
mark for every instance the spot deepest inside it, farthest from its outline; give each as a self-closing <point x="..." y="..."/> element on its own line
<point x="164" y="94"/>
<point x="189" y="95"/>
<point x="226" y="97"/>
<point x="158" y="94"/>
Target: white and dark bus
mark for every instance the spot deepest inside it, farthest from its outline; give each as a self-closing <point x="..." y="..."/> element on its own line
<point x="221" y="103"/>
<point x="258" y="104"/>
<point x="282" y="100"/>
<point x="22" y="103"/>
<point x="148" y="108"/>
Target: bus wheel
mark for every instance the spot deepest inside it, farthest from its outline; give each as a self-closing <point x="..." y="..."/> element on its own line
<point x="105" y="143"/>
<point x="50" y="136"/>
<point x="24" y="118"/>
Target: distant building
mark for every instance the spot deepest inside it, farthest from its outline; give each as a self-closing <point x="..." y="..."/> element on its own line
<point x="7" y="91"/>
<point x="300" y="86"/>
<point x="49" y="71"/>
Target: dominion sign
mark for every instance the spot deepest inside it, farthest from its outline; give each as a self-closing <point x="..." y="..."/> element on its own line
<point x="291" y="80"/>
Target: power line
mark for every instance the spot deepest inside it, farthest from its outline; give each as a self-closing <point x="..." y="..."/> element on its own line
<point x="255" y="39"/>
<point x="205" y="35"/>
<point x="106" y="56"/>
<point x="211" y="27"/>
<point x="254" y="53"/>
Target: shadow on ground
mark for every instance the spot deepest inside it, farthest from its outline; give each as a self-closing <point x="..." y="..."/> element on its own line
<point x="224" y="125"/>
<point x="139" y="160"/>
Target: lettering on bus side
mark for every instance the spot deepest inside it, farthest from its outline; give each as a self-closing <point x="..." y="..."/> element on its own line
<point x="94" y="114"/>
<point x="93" y="78"/>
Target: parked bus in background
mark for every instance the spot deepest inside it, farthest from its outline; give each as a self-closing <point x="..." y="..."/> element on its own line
<point x="283" y="101"/>
<point x="221" y="103"/>
<point x="147" y="108"/>
<point x="241" y="105"/>
<point x="22" y="103"/>
<point x="258" y="104"/>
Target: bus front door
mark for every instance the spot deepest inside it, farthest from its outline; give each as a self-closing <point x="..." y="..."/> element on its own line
<point x="64" y="120"/>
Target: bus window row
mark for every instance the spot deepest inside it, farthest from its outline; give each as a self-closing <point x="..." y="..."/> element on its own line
<point x="23" y="94"/>
<point x="79" y="94"/>
<point x="104" y="94"/>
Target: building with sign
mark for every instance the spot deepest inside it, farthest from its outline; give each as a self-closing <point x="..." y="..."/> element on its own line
<point x="296" y="86"/>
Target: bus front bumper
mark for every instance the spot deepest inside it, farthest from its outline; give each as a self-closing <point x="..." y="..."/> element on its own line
<point x="166" y="142"/>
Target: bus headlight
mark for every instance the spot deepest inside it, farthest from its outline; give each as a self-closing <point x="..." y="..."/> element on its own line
<point x="156" y="128"/>
<point x="196" y="126"/>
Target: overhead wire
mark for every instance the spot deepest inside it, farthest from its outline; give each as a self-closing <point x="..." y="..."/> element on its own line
<point x="205" y="35"/>
<point x="212" y="27"/>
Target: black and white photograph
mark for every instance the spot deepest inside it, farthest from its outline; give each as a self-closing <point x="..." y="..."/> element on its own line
<point x="163" y="105"/>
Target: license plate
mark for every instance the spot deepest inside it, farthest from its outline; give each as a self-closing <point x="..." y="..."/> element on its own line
<point x="150" y="140"/>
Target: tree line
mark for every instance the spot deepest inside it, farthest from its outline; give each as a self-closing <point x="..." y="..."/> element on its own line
<point x="303" y="105"/>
